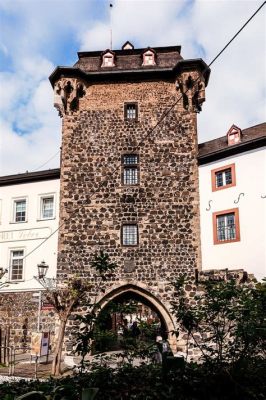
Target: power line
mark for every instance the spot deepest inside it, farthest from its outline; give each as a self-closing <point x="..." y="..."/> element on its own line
<point x="149" y="132"/>
<point x="46" y="162"/>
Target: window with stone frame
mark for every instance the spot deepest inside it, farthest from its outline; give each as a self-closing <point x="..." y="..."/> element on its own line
<point x="19" y="210"/>
<point x="223" y="177"/>
<point x="16" y="264"/>
<point x="131" y="111"/>
<point x="130" y="235"/>
<point x="130" y="169"/>
<point x="226" y="226"/>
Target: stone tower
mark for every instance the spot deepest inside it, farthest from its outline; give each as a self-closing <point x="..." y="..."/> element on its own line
<point x="129" y="175"/>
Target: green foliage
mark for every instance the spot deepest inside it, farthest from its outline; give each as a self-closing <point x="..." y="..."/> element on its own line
<point x="87" y="331"/>
<point x="147" y="382"/>
<point x="102" y="264"/>
<point x="225" y="321"/>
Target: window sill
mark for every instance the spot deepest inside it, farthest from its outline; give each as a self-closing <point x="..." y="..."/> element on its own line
<point x="45" y="219"/>
<point x="226" y="241"/>
<point x="18" y="222"/>
<point x="216" y="189"/>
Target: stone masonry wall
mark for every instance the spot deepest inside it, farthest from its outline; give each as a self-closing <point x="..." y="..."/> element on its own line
<point x="95" y="203"/>
<point x="18" y="316"/>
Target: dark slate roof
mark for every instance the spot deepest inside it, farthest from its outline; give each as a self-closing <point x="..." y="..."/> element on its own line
<point x="128" y="65"/>
<point x="167" y="57"/>
<point x="27" y="177"/>
<point x="216" y="149"/>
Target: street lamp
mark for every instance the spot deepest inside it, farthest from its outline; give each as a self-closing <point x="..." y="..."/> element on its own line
<point x="42" y="269"/>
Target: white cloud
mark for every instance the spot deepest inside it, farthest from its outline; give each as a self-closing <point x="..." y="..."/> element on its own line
<point x="37" y="35"/>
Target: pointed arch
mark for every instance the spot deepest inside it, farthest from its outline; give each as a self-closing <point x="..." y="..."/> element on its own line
<point x="143" y="293"/>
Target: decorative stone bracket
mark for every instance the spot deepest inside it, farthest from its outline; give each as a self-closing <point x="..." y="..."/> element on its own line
<point x="67" y="93"/>
<point x="192" y="88"/>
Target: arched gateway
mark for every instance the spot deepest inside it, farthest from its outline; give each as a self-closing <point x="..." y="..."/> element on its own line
<point x="142" y="294"/>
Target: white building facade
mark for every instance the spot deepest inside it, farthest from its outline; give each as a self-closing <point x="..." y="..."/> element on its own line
<point x="29" y="219"/>
<point x="232" y="178"/>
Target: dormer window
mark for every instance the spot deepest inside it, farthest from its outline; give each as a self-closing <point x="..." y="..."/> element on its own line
<point x="108" y="59"/>
<point x="234" y="135"/>
<point x="149" y="58"/>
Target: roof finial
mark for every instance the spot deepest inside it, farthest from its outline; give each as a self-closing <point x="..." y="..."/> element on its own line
<point x="111" y="39"/>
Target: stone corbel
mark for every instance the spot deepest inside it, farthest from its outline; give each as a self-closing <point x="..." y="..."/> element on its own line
<point x="67" y="93"/>
<point x="192" y="88"/>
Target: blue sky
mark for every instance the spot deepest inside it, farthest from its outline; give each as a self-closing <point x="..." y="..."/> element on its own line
<point x="38" y="35"/>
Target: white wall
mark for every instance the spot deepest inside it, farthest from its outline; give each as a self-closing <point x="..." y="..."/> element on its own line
<point x="28" y="235"/>
<point x="250" y="252"/>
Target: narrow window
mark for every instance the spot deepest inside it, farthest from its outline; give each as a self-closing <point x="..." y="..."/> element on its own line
<point x="131" y="111"/>
<point x="47" y="207"/>
<point x="224" y="177"/>
<point x="130" y="168"/>
<point x="226" y="226"/>
<point x="130" y="235"/>
<point x="16" y="265"/>
<point x="20" y="210"/>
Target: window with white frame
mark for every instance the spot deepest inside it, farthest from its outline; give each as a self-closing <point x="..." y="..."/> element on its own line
<point x="16" y="264"/>
<point x="20" y="209"/>
<point x="226" y="227"/>
<point x="130" y="235"/>
<point x="223" y="178"/>
<point x="148" y="58"/>
<point x="130" y="173"/>
<point x="47" y="207"/>
<point x="108" y="60"/>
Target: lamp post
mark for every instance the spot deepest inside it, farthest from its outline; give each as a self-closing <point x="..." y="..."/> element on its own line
<point x="42" y="271"/>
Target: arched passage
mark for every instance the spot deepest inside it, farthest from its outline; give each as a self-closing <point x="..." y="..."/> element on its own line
<point x="137" y="293"/>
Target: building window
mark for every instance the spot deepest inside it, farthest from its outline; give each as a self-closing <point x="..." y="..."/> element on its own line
<point x="234" y="135"/>
<point x="19" y="210"/>
<point x="108" y="60"/>
<point x="47" y="207"/>
<point x="130" y="235"/>
<point x="226" y="226"/>
<point x="16" y="265"/>
<point x="223" y="177"/>
<point x="130" y="173"/>
<point x="131" y="111"/>
<point x="149" y="58"/>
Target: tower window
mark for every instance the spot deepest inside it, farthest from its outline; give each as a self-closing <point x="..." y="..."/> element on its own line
<point x="149" y="58"/>
<point x="131" y="111"/>
<point x="130" y="235"/>
<point x="108" y="59"/>
<point x="130" y="169"/>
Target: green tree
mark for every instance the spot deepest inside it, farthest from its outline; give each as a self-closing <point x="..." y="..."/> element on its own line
<point x="65" y="298"/>
<point x="85" y="333"/>
<point x="224" y="320"/>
